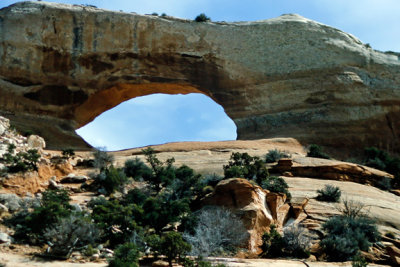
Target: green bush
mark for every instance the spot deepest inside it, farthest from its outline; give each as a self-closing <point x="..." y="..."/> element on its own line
<point x="68" y="152"/>
<point x="211" y="179"/>
<point x="126" y="255"/>
<point x="275" y="155"/>
<point x="135" y="196"/>
<point x="111" y="179"/>
<point x="329" y="193"/>
<point x="30" y="225"/>
<point x="385" y="184"/>
<point x="153" y="242"/>
<point x="162" y="173"/>
<point x="359" y="261"/>
<point x="390" y="235"/>
<point x="136" y="168"/>
<point x="172" y="246"/>
<point x="161" y="210"/>
<point x="186" y="183"/>
<point x="102" y="159"/>
<point x="115" y="220"/>
<point x="272" y="243"/>
<point x="89" y="251"/>
<point x="202" y="18"/>
<point x="277" y="185"/>
<point x="316" y="151"/>
<point x="246" y="166"/>
<point x="379" y="159"/>
<point x="21" y="161"/>
<point x="346" y="236"/>
<point x="69" y="232"/>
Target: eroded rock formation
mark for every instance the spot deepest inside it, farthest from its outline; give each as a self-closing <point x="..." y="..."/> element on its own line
<point x="258" y="208"/>
<point x="61" y="66"/>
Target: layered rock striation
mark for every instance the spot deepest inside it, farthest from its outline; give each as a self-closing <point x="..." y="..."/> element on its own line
<point x="62" y="65"/>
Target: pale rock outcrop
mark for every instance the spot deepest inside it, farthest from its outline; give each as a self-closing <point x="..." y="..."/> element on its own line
<point x="63" y="65"/>
<point x="257" y="208"/>
<point x="36" y="142"/>
<point x="332" y="170"/>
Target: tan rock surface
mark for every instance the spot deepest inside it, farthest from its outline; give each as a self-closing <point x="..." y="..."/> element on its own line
<point x="208" y="157"/>
<point x="257" y="208"/>
<point x="333" y="170"/>
<point x="62" y="65"/>
<point x="381" y="206"/>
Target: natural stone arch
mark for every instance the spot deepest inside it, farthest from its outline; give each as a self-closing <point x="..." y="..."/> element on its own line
<point x="62" y="65"/>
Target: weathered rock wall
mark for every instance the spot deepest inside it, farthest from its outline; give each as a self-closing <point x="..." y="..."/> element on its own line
<point x="61" y="66"/>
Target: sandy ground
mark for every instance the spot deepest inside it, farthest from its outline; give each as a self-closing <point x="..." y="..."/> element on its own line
<point x="14" y="260"/>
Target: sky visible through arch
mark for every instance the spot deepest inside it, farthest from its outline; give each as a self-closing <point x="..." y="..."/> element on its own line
<point x="132" y="123"/>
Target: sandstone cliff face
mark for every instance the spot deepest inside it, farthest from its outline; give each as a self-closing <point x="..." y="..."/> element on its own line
<point x="61" y="66"/>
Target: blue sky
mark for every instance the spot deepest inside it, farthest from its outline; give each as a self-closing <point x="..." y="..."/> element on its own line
<point x="161" y="118"/>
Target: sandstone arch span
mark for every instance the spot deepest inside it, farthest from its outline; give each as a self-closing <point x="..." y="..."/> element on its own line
<point x="61" y="65"/>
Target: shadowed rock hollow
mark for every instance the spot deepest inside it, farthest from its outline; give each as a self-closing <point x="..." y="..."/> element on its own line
<point x="62" y="65"/>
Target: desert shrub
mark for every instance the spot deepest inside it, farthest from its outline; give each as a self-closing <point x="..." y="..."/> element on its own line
<point x="102" y="159"/>
<point x="115" y="220"/>
<point x="126" y="255"/>
<point x="54" y="206"/>
<point x="352" y="208"/>
<point x="235" y="172"/>
<point x="349" y="233"/>
<point x="111" y="179"/>
<point x="246" y="166"/>
<point x="211" y="179"/>
<point x="272" y="243"/>
<point x="359" y="261"/>
<point x="68" y="232"/>
<point x="199" y="262"/>
<point x="136" y="168"/>
<point x="385" y="184"/>
<point x="89" y="251"/>
<point x="275" y="155"/>
<point x="21" y="161"/>
<point x="329" y="193"/>
<point x="162" y="173"/>
<point x="135" y="196"/>
<point x="276" y="184"/>
<point x="172" y="246"/>
<point x="296" y="242"/>
<point x="186" y="183"/>
<point x="202" y="18"/>
<point x="68" y="152"/>
<point x="376" y="163"/>
<point x="161" y="210"/>
<point x="390" y="235"/>
<point x="379" y="159"/>
<point x="28" y="133"/>
<point x="316" y="151"/>
<point x="218" y="232"/>
<point x="153" y="243"/>
<point x="345" y="236"/>
<point x="163" y="14"/>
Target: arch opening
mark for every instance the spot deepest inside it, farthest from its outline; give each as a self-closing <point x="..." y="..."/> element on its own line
<point x="159" y="118"/>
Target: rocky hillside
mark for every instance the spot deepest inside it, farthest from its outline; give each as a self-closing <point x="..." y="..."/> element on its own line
<point x="63" y="65"/>
<point x="257" y="207"/>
